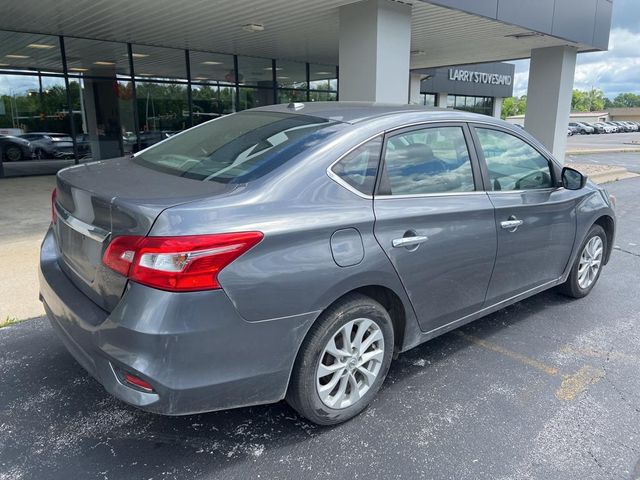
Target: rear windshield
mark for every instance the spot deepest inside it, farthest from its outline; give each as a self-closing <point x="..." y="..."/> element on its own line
<point x="238" y="148"/>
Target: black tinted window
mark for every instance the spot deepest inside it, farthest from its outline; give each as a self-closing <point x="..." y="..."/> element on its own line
<point x="431" y="160"/>
<point x="513" y="164"/>
<point x="359" y="167"/>
<point x="238" y="148"/>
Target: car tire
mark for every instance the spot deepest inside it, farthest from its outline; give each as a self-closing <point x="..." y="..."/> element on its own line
<point x="13" y="154"/>
<point x="593" y="247"/>
<point x="364" y="319"/>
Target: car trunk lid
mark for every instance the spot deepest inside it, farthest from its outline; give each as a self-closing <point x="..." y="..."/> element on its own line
<point x="99" y="201"/>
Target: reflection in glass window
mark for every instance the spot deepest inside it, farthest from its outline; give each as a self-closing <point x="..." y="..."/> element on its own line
<point x="96" y="58"/>
<point x="291" y="74"/>
<point x="255" y="97"/>
<point x="163" y="110"/>
<point x="315" y="96"/>
<point x="288" y="96"/>
<point x="29" y="51"/>
<point x="210" y="102"/>
<point x="323" y="77"/>
<point x="432" y="160"/>
<point x="359" y="167"/>
<point x="211" y="67"/>
<point x="255" y="71"/>
<point x="158" y="62"/>
<point x="513" y="164"/>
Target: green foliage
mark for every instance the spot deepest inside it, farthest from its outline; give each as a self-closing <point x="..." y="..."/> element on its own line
<point x="625" y="100"/>
<point x="587" y="100"/>
<point x="513" y="106"/>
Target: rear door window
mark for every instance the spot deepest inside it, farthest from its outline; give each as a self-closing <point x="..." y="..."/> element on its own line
<point x="358" y="169"/>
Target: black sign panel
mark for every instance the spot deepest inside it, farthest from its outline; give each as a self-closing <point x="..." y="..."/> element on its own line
<point x="480" y="80"/>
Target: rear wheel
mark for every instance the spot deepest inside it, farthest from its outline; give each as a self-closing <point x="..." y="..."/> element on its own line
<point x="587" y="267"/>
<point x="13" y="154"/>
<point x="343" y="361"/>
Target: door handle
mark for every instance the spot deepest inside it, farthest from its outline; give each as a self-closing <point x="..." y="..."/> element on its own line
<point x="405" y="242"/>
<point x="512" y="224"/>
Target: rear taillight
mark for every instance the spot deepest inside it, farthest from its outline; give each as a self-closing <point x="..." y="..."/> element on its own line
<point x="54" y="215"/>
<point x="187" y="263"/>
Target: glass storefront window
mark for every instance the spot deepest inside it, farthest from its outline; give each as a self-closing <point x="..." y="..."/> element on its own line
<point x="288" y="96"/>
<point x="255" y="97"/>
<point x="429" y="99"/>
<point x="211" y="67"/>
<point x="158" y="62"/>
<point x="103" y="117"/>
<point x="163" y="109"/>
<point x="28" y="52"/>
<point x="210" y="101"/>
<point x="255" y="71"/>
<point x="315" y="96"/>
<point x="291" y="74"/>
<point x="323" y="77"/>
<point x="96" y="58"/>
<point x="482" y="105"/>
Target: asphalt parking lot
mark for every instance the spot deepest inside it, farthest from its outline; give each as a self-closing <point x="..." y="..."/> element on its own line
<point x="630" y="160"/>
<point x="630" y="140"/>
<point x="547" y="388"/>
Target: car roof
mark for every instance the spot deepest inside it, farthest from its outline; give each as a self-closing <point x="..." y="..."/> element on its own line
<point x="358" y="112"/>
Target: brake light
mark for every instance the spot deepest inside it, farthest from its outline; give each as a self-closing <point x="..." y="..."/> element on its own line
<point x="186" y="263"/>
<point x="54" y="215"/>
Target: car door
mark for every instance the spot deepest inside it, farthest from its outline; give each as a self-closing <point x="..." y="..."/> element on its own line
<point x="434" y="222"/>
<point x="535" y="218"/>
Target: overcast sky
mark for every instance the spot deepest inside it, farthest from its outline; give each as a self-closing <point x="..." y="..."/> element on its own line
<point x="616" y="71"/>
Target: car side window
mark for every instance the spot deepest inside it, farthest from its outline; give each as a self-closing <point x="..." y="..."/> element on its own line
<point x="430" y="160"/>
<point x="359" y="167"/>
<point x="512" y="163"/>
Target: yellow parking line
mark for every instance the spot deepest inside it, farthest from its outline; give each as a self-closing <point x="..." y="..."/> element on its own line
<point x="571" y="386"/>
<point x="532" y="362"/>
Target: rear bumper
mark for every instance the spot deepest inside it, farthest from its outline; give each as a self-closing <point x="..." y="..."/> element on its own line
<point x="193" y="348"/>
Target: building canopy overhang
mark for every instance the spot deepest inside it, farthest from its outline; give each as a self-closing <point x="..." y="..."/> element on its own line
<point x="443" y="32"/>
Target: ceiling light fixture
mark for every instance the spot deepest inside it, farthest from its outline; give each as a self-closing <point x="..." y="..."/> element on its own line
<point x="79" y="69"/>
<point x="42" y="46"/>
<point x="325" y="73"/>
<point x="268" y="69"/>
<point x="211" y="62"/>
<point x="201" y="78"/>
<point x="253" y="27"/>
<point x="4" y="64"/>
<point x="139" y="55"/>
<point x="16" y="56"/>
<point x="283" y="77"/>
<point x="101" y="62"/>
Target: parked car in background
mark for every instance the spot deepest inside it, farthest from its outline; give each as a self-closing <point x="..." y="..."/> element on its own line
<point x="607" y="128"/>
<point x="597" y="127"/>
<point x="573" y="131"/>
<point x="632" y="127"/>
<point x="15" y="149"/>
<point x="50" y="145"/>
<point x="616" y="128"/>
<point x="293" y="251"/>
<point x="582" y="128"/>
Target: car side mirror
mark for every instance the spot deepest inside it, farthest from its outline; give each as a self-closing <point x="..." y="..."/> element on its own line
<point x="573" y="179"/>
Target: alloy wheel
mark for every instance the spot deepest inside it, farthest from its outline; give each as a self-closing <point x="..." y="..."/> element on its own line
<point x="13" y="154"/>
<point x="350" y="363"/>
<point x="590" y="262"/>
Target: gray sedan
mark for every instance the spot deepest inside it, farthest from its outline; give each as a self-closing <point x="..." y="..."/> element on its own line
<point x="291" y="252"/>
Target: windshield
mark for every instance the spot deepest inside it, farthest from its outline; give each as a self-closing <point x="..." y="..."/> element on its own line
<point x="238" y="148"/>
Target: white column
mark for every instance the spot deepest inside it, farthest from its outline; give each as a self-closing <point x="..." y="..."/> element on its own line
<point x="551" y="75"/>
<point x="497" y="107"/>
<point x="441" y="99"/>
<point x="374" y="49"/>
<point x="415" y="79"/>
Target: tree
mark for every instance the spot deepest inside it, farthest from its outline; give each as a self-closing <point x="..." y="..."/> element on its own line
<point x="587" y="100"/>
<point x="626" y="100"/>
<point x="513" y="106"/>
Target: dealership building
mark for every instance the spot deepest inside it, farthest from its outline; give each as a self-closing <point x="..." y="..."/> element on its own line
<point x="117" y="76"/>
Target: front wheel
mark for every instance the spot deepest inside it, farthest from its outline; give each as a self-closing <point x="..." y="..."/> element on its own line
<point x="13" y="154"/>
<point x="343" y="361"/>
<point x="587" y="267"/>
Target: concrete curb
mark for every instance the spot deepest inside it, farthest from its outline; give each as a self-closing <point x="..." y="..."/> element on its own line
<point x="591" y="151"/>
<point x="612" y="176"/>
